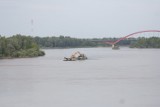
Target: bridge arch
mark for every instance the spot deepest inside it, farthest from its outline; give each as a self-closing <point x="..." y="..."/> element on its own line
<point x="132" y="34"/>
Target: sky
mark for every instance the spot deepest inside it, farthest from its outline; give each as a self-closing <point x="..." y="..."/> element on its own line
<point x="78" y="18"/>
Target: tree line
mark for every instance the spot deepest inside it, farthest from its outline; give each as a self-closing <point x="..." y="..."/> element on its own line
<point x="27" y="46"/>
<point x="66" y="41"/>
<point x="142" y="42"/>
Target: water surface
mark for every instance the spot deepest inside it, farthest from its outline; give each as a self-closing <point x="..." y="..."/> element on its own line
<point x="109" y="78"/>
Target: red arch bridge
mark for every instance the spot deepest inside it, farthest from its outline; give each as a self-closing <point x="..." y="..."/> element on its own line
<point x="113" y="43"/>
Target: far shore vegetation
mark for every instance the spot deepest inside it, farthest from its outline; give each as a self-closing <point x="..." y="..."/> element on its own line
<point x="20" y="46"/>
<point x="69" y="42"/>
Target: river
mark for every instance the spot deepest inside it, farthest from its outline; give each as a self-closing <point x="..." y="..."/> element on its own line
<point x="109" y="78"/>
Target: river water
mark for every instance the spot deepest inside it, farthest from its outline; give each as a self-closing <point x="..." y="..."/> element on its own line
<point x="109" y="78"/>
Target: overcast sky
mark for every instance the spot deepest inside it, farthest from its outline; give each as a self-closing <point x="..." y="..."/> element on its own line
<point x="78" y="18"/>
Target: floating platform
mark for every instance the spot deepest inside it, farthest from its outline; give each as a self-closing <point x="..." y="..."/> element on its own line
<point x="76" y="56"/>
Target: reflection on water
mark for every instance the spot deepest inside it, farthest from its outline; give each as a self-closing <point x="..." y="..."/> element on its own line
<point x="109" y="78"/>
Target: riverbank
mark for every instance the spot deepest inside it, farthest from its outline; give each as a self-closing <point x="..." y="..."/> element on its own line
<point x="24" y="54"/>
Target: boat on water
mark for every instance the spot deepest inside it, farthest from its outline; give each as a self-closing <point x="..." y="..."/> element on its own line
<point x="76" y="56"/>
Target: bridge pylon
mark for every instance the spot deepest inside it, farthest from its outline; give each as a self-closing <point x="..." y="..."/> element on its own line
<point x="115" y="46"/>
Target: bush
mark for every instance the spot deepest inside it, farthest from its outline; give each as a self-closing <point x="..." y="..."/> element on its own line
<point x="19" y="46"/>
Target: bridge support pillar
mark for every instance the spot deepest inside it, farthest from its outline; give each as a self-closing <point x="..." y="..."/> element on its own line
<point x="113" y="46"/>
